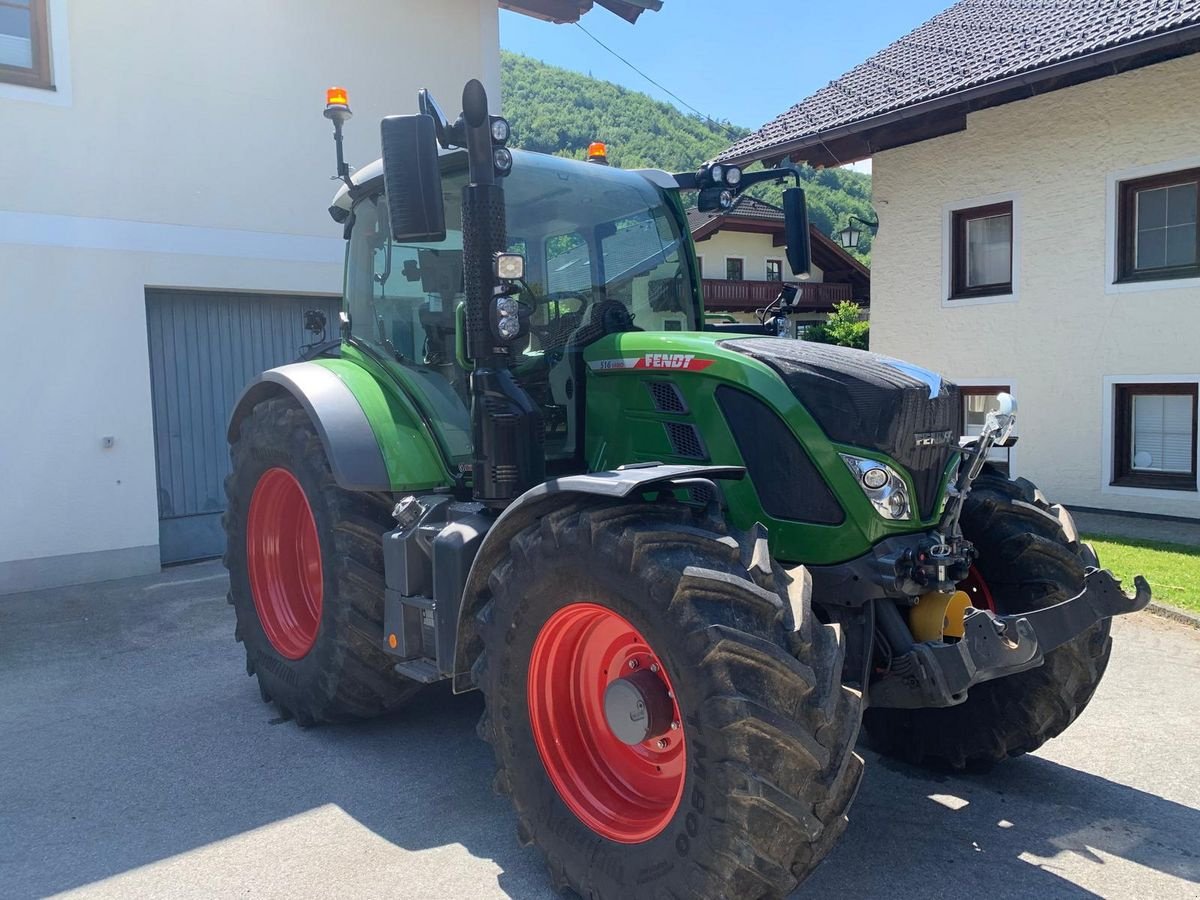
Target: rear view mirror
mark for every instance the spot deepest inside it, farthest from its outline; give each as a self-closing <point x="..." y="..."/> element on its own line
<point x="795" y="219"/>
<point x="412" y="179"/>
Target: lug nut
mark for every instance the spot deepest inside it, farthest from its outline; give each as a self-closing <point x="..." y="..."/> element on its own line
<point x="674" y="726"/>
<point x="633" y="664"/>
<point x="662" y="744"/>
<point x="653" y="667"/>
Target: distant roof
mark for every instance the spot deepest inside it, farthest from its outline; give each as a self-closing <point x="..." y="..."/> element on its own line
<point x="981" y="52"/>
<point x="754" y="215"/>
<point x="744" y="207"/>
<point x="570" y="10"/>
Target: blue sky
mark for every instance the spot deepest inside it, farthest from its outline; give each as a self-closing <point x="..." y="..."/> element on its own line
<point x="744" y="61"/>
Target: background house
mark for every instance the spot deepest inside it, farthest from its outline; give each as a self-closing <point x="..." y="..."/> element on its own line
<point x="743" y="261"/>
<point x="1036" y="170"/>
<point x="162" y="230"/>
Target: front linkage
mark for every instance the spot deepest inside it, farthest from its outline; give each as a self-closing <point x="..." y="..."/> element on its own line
<point x="924" y="670"/>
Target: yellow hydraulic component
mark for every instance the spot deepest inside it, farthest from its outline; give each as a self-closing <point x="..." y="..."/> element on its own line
<point x="938" y="615"/>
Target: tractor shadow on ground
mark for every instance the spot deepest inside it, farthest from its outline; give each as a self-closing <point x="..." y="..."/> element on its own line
<point x="918" y="834"/>
<point x="140" y="740"/>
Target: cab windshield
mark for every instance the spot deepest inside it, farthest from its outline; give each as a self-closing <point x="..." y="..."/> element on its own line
<point x="605" y="252"/>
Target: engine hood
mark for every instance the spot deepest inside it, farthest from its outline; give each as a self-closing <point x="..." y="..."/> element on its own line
<point x="871" y="401"/>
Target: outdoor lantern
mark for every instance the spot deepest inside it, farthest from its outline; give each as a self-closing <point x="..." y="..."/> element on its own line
<point x="848" y="237"/>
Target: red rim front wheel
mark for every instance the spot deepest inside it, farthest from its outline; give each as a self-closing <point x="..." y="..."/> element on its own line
<point x="283" y="555"/>
<point x="626" y="792"/>
<point x="976" y="588"/>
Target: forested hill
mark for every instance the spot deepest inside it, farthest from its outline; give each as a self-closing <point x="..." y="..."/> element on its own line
<point x="555" y="110"/>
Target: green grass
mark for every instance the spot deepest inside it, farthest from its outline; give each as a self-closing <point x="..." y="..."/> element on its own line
<point x="1173" y="570"/>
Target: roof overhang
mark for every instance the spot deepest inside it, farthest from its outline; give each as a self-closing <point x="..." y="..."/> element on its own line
<point x="566" y="11"/>
<point x="948" y="113"/>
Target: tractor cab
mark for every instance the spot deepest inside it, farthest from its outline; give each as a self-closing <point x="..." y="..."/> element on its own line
<point x="605" y="251"/>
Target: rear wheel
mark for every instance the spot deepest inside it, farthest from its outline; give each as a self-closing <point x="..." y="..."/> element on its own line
<point x="306" y="573"/>
<point x="1029" y="558"/>
<point x="666" y="713"/>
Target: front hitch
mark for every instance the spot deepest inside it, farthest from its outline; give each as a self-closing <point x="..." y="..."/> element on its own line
<point x="935" y="674"/>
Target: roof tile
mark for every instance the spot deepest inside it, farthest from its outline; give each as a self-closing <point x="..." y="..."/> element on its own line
<point x="971" y="43"/>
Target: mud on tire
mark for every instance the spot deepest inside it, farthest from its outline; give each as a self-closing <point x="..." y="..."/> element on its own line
<point x="768" y="727"/>
<point x="345" y="675"/>
<point x="1030" y="558"/>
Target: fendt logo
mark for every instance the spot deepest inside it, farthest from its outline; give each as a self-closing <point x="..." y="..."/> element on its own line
<point x="934" y="438"/>
<point x="686" y="361"/>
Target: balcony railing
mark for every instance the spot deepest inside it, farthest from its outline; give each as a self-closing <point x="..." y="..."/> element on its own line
<point x="738" y="295"/>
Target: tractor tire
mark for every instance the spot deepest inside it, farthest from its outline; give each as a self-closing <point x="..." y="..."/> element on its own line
<point x="747" y="789"/>
<point x="305" y="565"/>
<point x="1029" y="558"/>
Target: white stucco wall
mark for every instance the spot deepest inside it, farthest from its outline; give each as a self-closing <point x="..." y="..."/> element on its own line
<point x="755" y="249"/>
<point x="1067" y="329"/>
<point x="185" y="148"/>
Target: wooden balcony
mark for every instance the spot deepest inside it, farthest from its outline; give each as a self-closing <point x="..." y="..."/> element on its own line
<point x="739" y="296"/>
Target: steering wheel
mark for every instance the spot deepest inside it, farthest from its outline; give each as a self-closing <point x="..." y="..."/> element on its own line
<point x="556" y="331"/>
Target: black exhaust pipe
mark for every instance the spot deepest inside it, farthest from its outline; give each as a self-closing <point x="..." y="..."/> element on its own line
<point x="507" y="433"/>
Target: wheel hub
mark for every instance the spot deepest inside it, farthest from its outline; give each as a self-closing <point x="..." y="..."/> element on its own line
<point x="606" y="723"/>
<point x="638" y="707"/>
<point x="283" y="560"/>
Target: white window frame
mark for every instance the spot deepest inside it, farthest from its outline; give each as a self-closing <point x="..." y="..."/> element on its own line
<point x="1107" y="437"/>
<point x="1112" y="215"/>
<point x="948" y="211"/>
<point x="57" y="14"/>
<point x="782" y="271"/>
<point x="997" y="383"/>
<point x="725" y="273"/>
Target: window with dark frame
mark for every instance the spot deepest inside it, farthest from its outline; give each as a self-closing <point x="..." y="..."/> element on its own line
<point x="1154" y="436"/>
<point x="735" y="268"/>
<point x="981" y="251"/>
<point x="774" y="270"/>
<point x="977" y="402"/>
<point x="25" y="44"/>
<point x="1157" y="233"/>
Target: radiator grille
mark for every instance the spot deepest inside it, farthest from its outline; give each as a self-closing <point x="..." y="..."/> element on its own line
<point x="685" y="440"/>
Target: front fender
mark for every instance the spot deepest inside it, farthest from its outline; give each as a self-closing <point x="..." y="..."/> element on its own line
<point x="538" y="501"/>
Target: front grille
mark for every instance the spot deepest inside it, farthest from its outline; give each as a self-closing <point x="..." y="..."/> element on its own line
<point x="871" y="401"/>
<point x="788" y="483"/>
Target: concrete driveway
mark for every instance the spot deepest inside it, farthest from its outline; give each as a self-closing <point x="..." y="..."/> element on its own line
<point x="136" y="759"/>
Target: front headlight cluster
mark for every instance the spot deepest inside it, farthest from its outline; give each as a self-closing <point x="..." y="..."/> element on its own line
<point x="883" y="486"/>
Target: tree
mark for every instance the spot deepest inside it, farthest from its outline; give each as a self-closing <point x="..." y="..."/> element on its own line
<point x="845" y="327"/>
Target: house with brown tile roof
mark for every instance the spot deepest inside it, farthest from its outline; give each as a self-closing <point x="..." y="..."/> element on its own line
<point x="1036" y="175"/>
<point x="741" y="253"/>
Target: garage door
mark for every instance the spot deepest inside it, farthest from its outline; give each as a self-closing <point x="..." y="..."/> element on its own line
<point x="204" y="348"/>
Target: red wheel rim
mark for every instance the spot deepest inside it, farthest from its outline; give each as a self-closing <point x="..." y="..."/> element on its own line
<point x="627" y="793"/>
<point x="283" y="555"/>
<point x="976" y="588"/>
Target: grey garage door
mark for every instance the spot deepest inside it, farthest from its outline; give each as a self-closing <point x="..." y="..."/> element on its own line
<point x="204" y="348"/>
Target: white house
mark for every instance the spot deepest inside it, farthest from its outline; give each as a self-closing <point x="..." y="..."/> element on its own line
<point x="165" y="178"/>
<point x="1036" y="170"/>
<point x="743" y="264"/>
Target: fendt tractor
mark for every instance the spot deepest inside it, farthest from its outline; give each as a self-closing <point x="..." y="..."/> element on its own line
<point x="683" y="561"/>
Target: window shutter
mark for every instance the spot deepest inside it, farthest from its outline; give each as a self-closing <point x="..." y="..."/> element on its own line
<point x="1162" y="432"/>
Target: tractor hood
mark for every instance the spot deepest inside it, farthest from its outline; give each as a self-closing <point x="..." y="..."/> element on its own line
<point x="871" y="401"/>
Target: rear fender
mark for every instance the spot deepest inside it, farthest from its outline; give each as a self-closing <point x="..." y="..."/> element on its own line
<point x="385" y="451"/>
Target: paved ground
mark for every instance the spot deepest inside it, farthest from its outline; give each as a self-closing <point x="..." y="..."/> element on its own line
<point x="137" y="760"/>
<point x="1169" y="530"/>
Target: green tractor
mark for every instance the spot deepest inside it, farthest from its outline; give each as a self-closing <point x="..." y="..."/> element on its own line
<point x="682" y="561"/>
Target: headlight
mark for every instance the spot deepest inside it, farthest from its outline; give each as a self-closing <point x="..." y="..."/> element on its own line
<point x="883" y="486"/>
<point x="717" y="173"/>
<point x="733" y="176"/>
<point x="509" y="327"/>
<point x="502" y="159"/>
<point x="500" y="130"/>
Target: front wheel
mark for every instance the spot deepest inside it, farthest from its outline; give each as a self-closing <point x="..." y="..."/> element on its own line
<point x="667" y="715"/>
<point x="1029" y="558"/>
